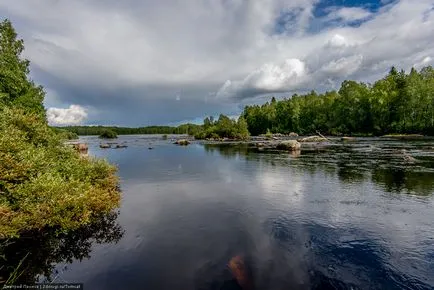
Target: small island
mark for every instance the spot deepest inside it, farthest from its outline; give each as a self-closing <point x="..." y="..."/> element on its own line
<point x="108" y="134"/>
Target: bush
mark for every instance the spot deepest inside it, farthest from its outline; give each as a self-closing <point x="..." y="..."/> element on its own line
<point x="268" y="135"/>
<point x="108" y="134"/>
<point x="44" y="183"/>
<point x="65" y="134"/>
<point x="224" y="128"/>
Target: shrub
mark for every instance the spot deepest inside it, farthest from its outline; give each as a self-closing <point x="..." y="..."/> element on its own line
<point x="108" y="134"/>
<point x="268" y="135"/>
<point x="65" y="134"/>
<point x="43" y="182"/>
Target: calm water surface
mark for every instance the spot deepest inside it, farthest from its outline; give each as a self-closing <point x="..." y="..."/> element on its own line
<point x="340" y="216"/>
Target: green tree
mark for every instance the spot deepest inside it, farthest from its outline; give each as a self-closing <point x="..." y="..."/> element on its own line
<point x="15" y="87"/>
<point x="397" y="103"/>
<point x="242" y="130"/>
<point x="43" y="183"/>
<point x="108" y="134"/>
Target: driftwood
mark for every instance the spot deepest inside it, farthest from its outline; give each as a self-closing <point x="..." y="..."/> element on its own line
<point x="319" y="134"/>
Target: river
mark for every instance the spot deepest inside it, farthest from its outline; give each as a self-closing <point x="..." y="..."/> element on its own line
<point x="355" y="215"/>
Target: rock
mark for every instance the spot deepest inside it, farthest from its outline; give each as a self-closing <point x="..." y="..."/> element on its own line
<point x="150" y="148"/>
<point x="80" y="147"/>
<point x="293" y="134"/>
<point x="345" y="138"/>
<point x="182" y="142"/>
<point x="260" y="144"/>
<point x="275" y="138"/>
<point x="404" y="136"/>
<point x="409" y="159"/>
<point x="104" y="146"/>
<point x="121" y="146"/>
<point x="312" y="139"/>
<point x="239" y="272"/>
<point x="289" y="145"/>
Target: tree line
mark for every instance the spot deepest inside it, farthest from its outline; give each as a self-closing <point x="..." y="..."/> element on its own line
<point x="98" y="130"/>
<point x="223" y="127"/>
<point x="398" y="103"/>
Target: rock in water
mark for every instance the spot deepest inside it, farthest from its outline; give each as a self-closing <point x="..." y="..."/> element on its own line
<point x="240" y="272"/>
<point x="312" y="139"/>
<point x="182" y="142"/>
<point x="121" y="146"/>
<point x="104" y="146"/>
<point x="293" y="134"/>
<point x="345" y="138"/>
<point x="291" y="145"/>
<point x="81" y="147"/>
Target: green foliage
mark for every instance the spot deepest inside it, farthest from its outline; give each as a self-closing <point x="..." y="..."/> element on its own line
<point x="398" y="103"/>
<point x="43" y="183"/>
<point x="15" y="88"/>
<point x="108" y="134"/>
<point x="224" y="127"/>
<point x="65" y="134"/>
<point x="190" y="129"/>
<point x="268" y="135"/>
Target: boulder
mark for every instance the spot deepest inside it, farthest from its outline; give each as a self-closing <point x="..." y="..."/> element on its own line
<point x="105" y="146"/>
<point x="80" y="147"/>
<point x="182" y="142"/>
<point x="121" y="146"/>
<point x="291" y="145"/>
<point x="312" y="139"/>
<point x="345" y="138"/>
<point x="260" y="144"/>
<point x="293" y="134"/>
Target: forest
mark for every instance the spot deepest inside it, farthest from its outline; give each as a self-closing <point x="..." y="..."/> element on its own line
<point x="97" y="130"/>
<point x="399" y="103"/>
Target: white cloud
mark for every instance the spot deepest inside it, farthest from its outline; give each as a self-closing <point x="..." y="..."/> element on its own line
<point x="362" y="53"/>
<point x="427" y="60"/>
<point x="268" y="78"/>
<point x="349" y="14"/>
<point x="343" y="67"/>
<point x="74" y="115"/>
<point x="337" y="41"/>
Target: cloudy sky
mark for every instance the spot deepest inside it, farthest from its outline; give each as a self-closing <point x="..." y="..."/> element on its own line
<point x="148" y="62"/>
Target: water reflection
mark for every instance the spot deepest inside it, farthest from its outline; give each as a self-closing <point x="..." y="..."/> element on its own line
<point x="37" y="253"/>
<point x="402" y="180"/>
<point x="388" y="167"/>
<point x="319" y="219"/>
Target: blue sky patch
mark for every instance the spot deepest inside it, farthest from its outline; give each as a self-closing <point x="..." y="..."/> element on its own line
<point x="287" y="20"/>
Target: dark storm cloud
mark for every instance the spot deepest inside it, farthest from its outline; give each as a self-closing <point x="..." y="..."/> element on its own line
<point x="149" y="62"/>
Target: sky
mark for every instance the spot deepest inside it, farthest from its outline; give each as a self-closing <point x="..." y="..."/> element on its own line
<point x="153" y="62"/>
